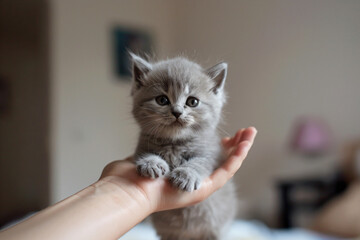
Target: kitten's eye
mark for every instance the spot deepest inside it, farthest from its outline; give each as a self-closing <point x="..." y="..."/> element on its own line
<point x="162" y="100"/>
<point x="192" y="102"/>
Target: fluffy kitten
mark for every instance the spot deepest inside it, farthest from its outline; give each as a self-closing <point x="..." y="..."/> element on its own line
<point x="178" y="106"/>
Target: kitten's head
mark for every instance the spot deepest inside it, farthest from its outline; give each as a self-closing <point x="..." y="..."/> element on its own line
<point x="177" y="98"/>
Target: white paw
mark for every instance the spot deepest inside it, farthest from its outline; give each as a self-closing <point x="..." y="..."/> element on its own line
<point x="185" y="178"/>
<point x="152" y="166"/>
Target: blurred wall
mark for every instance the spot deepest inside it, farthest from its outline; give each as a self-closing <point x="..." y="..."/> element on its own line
<point x="286" y="59"/>
<point x="24" y="120"/>
<point x="91" y="119"/>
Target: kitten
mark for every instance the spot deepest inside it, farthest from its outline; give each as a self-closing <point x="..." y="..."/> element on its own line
<point x="177" y="105"/>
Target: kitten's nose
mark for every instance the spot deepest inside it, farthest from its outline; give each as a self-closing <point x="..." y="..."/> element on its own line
<point x="176" y="113"/>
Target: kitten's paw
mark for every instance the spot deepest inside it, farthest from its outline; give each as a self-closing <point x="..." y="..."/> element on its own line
<point x="185" y="178"/>
<point x="152" y="166"/>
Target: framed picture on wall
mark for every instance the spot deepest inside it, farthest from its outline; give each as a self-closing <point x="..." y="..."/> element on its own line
<point x="125" y="40"/>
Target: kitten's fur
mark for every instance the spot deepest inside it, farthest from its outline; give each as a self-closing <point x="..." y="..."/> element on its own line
<point x="185" y="149"/>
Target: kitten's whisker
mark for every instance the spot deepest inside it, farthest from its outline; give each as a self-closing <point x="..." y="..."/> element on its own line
<point x="223" y="131"/>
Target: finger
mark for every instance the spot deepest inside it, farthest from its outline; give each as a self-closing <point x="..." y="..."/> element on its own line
<point x="247" y="142"/>
<point x="238" y="136"/>
<point x="234" y="162"/>
<point x="233" y="140"/>
<point x="221" y="175"/>
<point x="225" y="140"/>
<point x="248" y="134"/>
<point x="242" y="149"/>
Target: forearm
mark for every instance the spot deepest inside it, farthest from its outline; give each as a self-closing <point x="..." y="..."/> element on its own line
<point x="122" y="198"/>
<point x="101" y="211"/>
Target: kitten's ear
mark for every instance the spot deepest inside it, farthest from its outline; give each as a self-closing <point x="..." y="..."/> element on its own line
<point x="140" y="67"/>
<point x="218" y="74"/>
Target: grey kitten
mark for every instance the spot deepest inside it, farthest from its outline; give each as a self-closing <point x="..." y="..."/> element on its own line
<point x="178" y="106"/>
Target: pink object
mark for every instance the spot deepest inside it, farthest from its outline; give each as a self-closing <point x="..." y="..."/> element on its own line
<point x="311" y="136"/>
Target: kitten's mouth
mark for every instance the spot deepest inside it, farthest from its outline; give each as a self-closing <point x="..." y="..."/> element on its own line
<point x="178" y="123"/>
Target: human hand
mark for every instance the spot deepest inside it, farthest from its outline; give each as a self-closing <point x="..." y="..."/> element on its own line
<point x="158" y="194"/>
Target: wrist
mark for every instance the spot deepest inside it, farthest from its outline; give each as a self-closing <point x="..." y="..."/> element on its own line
<point x="124" y="195"/>
<point x="103" y="210"/>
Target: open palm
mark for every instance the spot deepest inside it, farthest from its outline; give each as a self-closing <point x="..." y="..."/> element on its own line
<point x="158" y="194"/>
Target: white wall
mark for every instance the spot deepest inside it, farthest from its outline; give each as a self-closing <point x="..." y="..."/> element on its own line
<point x="286" y="59"/>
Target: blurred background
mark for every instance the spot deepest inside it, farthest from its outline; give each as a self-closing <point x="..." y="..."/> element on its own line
<point x="294" y="73"/>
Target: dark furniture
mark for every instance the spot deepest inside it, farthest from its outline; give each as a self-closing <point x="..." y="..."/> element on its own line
<point x="306" y="195"/>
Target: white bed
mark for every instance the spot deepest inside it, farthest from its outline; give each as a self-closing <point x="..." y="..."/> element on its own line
<point x="240" y="230"/>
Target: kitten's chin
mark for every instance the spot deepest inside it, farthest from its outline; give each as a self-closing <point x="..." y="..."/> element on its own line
<point x="174" y="130"/>
<point x="178" y="124"/>
<point x="178" y="132"/>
